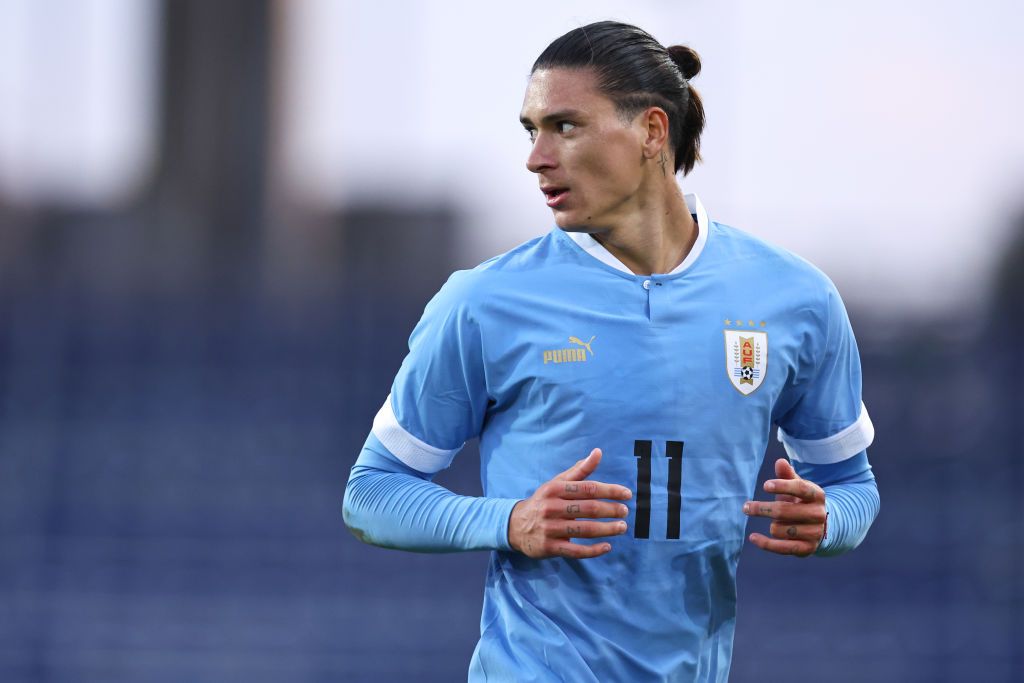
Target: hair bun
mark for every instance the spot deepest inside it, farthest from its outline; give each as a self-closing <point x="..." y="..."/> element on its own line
<point x="686" y="59"/>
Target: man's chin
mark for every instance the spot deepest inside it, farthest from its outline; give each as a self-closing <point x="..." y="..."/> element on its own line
<point x="569" y="223"/>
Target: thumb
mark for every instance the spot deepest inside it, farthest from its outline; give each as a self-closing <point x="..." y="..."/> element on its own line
<point x="582" y="469"/>
<point x="784" y="470"/>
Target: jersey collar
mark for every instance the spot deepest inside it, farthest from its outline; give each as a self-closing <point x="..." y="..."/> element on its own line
<point x="597" y="250"/>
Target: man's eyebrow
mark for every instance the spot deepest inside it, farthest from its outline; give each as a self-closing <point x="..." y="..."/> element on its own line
<point x="553" y="116"/>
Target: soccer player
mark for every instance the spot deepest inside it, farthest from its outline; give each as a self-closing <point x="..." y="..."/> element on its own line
<point x="623" y="373"/>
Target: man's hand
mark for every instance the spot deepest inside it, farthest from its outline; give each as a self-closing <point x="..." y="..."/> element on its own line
<point x="543" y="524"/>
<point x="798" y="513"/>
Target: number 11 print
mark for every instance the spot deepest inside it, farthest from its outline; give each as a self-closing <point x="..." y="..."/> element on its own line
<point x="674" y="453"/>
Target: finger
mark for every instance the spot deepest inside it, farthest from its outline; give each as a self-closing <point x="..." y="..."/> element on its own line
<point x="583" y="468"/>
<point x="579" y="551"/>
<point x="812" y="533"/>
<point x="586" y="509"/>
<point x="799" y="488"/>
<point x="772" y="545"/>
<point x="578" y="529"/>
<point x="784" y="470"/>
<point x="783" y="498"/>
<point x="787" y="512"/>
<point x="583" y="490"/>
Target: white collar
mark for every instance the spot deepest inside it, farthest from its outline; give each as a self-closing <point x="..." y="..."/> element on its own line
<point x="597" y="250"/>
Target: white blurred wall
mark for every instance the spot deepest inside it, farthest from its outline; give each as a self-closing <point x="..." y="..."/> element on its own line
<point x="78" y="99"/>
<point x="880" y="140"/>
<point x="883" y="141"/>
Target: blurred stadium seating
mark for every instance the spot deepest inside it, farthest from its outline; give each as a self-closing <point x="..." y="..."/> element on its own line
<point x="180" y="405"/>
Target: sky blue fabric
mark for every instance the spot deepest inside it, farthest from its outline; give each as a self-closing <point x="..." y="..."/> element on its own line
<point x="391" y="505"/>
<point x="545" y="353"/>
<point x="851" y="498"/>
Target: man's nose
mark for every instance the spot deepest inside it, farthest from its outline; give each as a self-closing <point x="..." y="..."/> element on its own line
<point x="542" y="155"/>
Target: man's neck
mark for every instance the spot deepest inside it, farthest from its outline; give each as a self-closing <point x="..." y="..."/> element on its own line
<point x="657" y="236"/>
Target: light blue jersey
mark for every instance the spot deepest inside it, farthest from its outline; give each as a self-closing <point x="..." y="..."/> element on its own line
<point x="556" y="348"/>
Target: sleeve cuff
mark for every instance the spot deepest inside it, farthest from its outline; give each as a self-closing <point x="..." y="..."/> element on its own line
<point x="844" y="444"/>
<point x="417" y="454"/>
<point x="505" y="505"/>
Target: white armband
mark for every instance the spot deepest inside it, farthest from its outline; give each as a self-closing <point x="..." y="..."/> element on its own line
<point x="844" y="444"/>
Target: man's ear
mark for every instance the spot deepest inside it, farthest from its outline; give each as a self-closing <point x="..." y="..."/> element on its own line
<point x="655" y="123"/>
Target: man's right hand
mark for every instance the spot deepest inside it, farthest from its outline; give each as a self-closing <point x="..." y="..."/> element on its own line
<point x="542" y="525"/>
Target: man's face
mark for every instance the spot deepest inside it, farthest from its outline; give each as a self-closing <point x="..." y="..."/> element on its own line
<point x="588" y="161"/>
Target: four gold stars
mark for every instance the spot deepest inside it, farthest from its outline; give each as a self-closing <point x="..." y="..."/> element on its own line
<point x="739" y="323"/>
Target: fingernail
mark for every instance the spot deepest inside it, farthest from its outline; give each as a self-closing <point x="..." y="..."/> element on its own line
<point x="627" y="494"/>
<point x="623" y="510"/>
<point x="622" y="526"/>
<point x="769" y="486"/>
<point x="746" y="507"/>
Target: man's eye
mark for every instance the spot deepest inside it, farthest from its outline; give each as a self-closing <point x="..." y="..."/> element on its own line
<point x="565" y="126"/>
<point x="532" y="133"/>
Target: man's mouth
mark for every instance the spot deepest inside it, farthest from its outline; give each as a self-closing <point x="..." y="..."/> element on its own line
<point x="554" y="194"/>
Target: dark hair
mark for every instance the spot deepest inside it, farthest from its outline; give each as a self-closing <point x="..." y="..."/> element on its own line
<point x="636" y="72"/>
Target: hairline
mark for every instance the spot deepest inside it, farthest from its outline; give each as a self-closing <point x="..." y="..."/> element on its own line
<point x="625" y="109"/>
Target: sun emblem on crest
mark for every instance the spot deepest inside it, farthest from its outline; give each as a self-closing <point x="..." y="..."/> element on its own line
<point x="746" y="359"/>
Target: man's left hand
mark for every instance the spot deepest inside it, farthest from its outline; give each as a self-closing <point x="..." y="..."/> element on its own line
<point x="798" y="513"/>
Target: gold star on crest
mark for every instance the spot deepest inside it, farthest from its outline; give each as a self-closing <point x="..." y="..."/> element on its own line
<point x="728" y="322"/>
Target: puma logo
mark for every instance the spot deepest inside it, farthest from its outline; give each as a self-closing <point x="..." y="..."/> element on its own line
<point x="573" y="354"/>
<point x="586" y="345"/>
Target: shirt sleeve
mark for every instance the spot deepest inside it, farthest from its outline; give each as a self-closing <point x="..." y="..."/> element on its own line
<point x="825" y="420"/>
<point x="439" y="397"/>
<point x="437" y="402"/>
<point x="851" y="499"/>
<point x="391" y="505"/>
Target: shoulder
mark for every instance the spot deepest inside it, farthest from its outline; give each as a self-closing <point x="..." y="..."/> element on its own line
<point x="746" y="256"/>
<point x="474" y="285"/>
<point x="466" y="291"/>
<point x="744" y="250"/>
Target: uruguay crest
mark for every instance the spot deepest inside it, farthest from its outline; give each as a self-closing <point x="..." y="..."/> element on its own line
<point x="746" y="359"/>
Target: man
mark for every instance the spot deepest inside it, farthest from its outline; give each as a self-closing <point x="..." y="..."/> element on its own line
<point x="655" y="343"/>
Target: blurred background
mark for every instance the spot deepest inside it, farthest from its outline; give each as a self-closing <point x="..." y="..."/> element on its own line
<point x="219" y="222"/>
